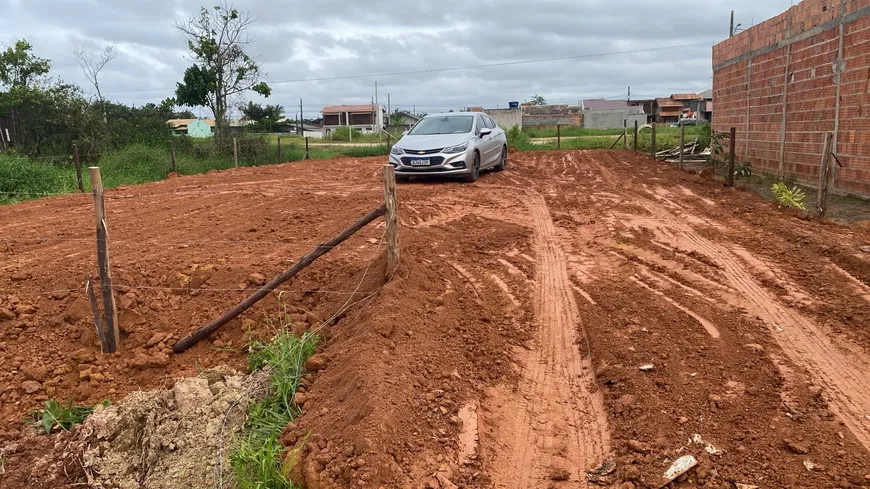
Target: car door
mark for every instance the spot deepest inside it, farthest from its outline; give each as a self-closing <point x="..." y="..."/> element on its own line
<point x="489" y="143"/>
<point x="498" y="140"/>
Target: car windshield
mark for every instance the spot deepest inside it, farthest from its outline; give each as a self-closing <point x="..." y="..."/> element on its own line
<point x="455" y="124"/>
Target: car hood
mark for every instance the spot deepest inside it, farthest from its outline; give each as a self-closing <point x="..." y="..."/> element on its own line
<point x="432" y="141"/>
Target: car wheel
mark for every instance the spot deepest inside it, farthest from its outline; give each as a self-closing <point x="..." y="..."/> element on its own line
<point x="475" y="169"/>
<point x="503" y="163"/>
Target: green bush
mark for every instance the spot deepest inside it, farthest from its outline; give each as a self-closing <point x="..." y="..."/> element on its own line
<point x="343" y="134"/>
<point x="789" y="197"/>
<point x="23" y="178"/>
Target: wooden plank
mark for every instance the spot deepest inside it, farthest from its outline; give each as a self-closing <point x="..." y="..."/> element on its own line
<point x="306" y="149"/>
<point x="825" y="175"/>
<point x="729" y="178"/>
<point x="103" y="263"/>
<point x="78" y="164"/>
<point x="391" y="217"/>
<point x="625" y="134"/>
<point x="321" y="249"/>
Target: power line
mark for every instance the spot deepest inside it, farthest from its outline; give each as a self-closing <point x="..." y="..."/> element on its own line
<point x="457" y="68"/>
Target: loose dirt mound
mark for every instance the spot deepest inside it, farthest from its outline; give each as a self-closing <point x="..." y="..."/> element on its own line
<point x="164" y="439"/>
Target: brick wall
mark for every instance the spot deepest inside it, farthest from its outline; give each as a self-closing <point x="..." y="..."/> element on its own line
<point x="790" y="62"/>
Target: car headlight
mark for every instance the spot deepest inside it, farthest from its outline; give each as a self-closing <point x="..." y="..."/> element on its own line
<point x="397" y="151"/>
<point x="456" y="149"/>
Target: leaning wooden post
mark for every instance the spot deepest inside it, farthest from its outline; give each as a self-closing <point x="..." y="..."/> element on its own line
<point x="558" y="136"/>
<point x="280" y="159"/>
<point x="732" y="145"/>
<point x="172" y="155"/>
<point x="682" y="143"/>
<point x="235" y="152"/>
<point x="307" y="157"/>
<point x="825" y="175"/>
<point x="391" y="218"/>
<point x="635" y="136"/>
<point x="653" y="141"/>
<point x="624" y="134"/>
<point x="78" y="168"/>
<point x="111" y="312"/>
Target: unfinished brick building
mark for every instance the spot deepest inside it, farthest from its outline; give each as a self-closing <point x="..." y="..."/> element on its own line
<point x="785" y="82"/>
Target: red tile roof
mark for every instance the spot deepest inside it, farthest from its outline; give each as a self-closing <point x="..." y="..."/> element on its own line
<point x="336" y="109"/>
<point x="685" y="96"/>
<point x="667" y="102"/>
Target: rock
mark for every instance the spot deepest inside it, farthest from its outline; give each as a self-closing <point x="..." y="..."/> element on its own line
<point x="19" y="276"/>
<point x="865" y="249"/>
<point x="155" y="339"/>
<point x="559" y="474"/>
<point x="796" y="446"/>
<point x="257" y="279"/>
<point x="754" y="347"/>
<point x="604" y="468"/>
<point x="627" y="400"/>
<point x="683" y="420"/>
<point x="680" y="467"/>
<point x="744" y="486"/>
<point x="708" y="173"/>
<point x="142" y="360"/>
<point x="6" y="314"/>
<point x="79" y="310"/>
<point x="35" y="373"/>
<point x="31" y="386"/>
<point x="316" y="363"/>
<point x="638" y="446"/>
<point x="809" y="465"/>
<point x="646" y="367"/>
<point x="59" y="294"/>
<point x="301" y="398"/>
<point x="24" y="309"/>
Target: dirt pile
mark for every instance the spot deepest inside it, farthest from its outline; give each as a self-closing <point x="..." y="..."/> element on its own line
<point x="171" y="438"/>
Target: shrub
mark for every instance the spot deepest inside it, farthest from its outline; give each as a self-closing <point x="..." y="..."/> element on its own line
<point x="56" y="417"/>
<point x="343" y="134"/>
<point x="789" y="197"/>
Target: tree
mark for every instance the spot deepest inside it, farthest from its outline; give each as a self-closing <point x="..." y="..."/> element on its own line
<point x="217" y="40"/>
<point x="538" y="100"/>
<point x="258" y="113"/>
<point x="92" y="64"/>
<point x="397" y="117"/>
<point x="19" y="68"/>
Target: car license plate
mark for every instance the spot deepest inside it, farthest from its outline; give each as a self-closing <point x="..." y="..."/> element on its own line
<point x="420" y="162"/>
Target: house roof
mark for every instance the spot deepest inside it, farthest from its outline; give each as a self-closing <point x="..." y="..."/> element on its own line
<point x="337" y="109"/>
<point x="685" y="96"/>
<point x="706" y="94"/>
<point x="182" y="123"/>
<point x="671" y="112"/>
<point x="668" y="102"/>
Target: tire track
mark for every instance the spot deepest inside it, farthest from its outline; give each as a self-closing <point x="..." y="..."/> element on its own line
<point x="557" y="423"/>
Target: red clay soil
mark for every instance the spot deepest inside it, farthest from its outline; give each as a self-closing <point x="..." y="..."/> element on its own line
<point x="580" y="310"/>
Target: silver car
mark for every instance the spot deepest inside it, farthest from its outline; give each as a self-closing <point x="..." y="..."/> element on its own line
<point x="452" y="144"/>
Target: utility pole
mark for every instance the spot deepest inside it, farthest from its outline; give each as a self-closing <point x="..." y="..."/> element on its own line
<point x="299" y="126"/>
<point x="629" y="93"/>
<point x="731" y="30"/>
<point x="389" y="111"/>
<point x="377" y="107"/>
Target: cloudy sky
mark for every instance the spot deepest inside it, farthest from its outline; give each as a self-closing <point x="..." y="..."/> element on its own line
<point x="316" y="39"/>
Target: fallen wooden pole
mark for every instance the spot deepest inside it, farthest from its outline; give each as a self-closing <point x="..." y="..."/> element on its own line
<point x="320" y="250"/>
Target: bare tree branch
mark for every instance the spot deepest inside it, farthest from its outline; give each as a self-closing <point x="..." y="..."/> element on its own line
<point x="92" y="64"/>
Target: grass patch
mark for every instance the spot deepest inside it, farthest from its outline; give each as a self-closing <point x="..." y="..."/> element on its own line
<point x="256" y="461"/>
<point x="569" y="132"/>
<point x="56" y="417"/>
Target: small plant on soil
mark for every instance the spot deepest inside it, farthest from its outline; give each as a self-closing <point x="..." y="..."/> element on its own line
<point x="789" y="197"/>
<point x="56" y="417"/>
<point x="743" y="170"/>
<point x="257" y="462"/>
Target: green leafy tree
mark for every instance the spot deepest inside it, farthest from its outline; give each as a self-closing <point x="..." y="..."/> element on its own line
<point x="538" y="100"/>
<point x="19" y="68"/>
<point x="397" y="117"/>
<point x="217" y="39"/>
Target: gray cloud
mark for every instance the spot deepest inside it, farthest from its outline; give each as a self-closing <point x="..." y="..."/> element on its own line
<point x="332" y="38"/>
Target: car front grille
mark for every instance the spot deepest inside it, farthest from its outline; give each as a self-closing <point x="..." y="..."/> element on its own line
<point x="423" y="151"/>
<point x="434" y="161"/>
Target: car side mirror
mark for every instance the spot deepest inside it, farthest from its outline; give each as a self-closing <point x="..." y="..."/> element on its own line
<point x="485" y="132"/>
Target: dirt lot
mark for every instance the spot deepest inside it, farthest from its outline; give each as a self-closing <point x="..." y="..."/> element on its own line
<point x="581" y="310"/>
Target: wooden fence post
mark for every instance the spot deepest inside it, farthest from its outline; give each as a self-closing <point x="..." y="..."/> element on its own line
<point x="653" y="141"/>
<point x="825" y="175"/>
<point x="78" y="164"/>
<point x="624" y="134"/>
<point x="109" y="309"/>
<point x="391" y="218"/>
<point x="635" y="136"/>
<point x="172" y="155"/>
<point x="307" y="157"/>
<point x="280" y="159"/>
<point x="682" y="143"/>
<point x="558" y="136"/>
<point x="235" y="152"/>
<point x="732" y="145"/>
